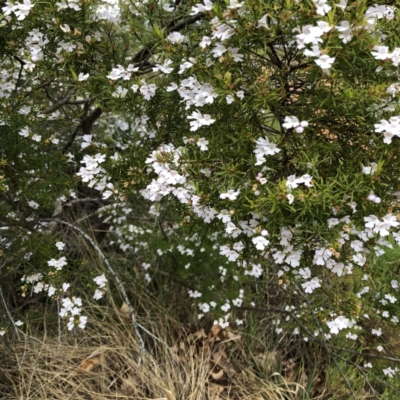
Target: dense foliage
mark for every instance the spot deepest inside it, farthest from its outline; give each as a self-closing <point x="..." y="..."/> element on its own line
<point x="247" y="150"/>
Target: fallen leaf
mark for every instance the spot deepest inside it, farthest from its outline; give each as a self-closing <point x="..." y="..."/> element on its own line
<point x="124" y="310"/>
<point x="217" y="376"/>
<point x="220" y="358"/>
<point x="289" y="371"/>
<point x="214" y="332"/>
<point x="200" y="334"/>
<point x="88" y="364"/>
<point x="214" y="390"/>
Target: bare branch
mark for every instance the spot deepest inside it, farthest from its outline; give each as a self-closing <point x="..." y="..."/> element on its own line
<point x="59" y="103"/>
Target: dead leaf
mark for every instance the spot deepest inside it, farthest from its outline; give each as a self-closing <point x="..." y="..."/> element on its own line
<point x="125" y="311"/>
<point x="220" y="358"/>
<point x="214" y="390"/>
<point x="217" y="376"/>
<point x="289" y="371"/>
<point x="90" y="363"/>
<point x="233" y="336"/>
<point x="200" y="334"/>
<point x="214" y="332"/>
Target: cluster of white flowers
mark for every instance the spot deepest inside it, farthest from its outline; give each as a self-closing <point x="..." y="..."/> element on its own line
<point x="121" y="73"/>
<point x="21" y="10"/>
<point x="35" y="43"/>
<point x="100" y="281"/>
<point x="293" y="122"/>
<point x="389" y="128"/>
<point x="72" y="308"/>
<point x="173" y="179"/>
<point x="92" y="173"/>
<point x="264" y="148"/>
<point x="25" y="132"/>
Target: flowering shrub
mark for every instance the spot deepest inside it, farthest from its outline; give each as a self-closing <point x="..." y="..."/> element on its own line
<point x="227" y="144"/>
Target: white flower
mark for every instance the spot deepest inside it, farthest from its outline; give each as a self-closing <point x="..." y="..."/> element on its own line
<point x="311" y="285"/>
<point x="338" y="324"/>
<point x="98" y="294"/>
<point x="198" y="8"/>
<point x="256" y="270"/>
<point x="57" y="264"/>
<point x="381" y="53"/>
<point x="235" y="55"/>
<point x="264" y="148"/>
<point x="148" y="91"/>
<point x="315" y="52"/>
<point x="262" y="23"/>
<point x="377" y="332"/>
<point x="293" y="122"/>
<point x="240" y="94"/>
<point x="202" y="143"/>
<point x="167" y="7"/>
<point x="199" y="120"/>
<point x="322" y="6"/>
<point x="36" y="138"/>
<point x="176" y="38"/>
<point x="218" y="50"/>
<point x="260" y="242"/>
<point x="345" y="30"/>
<point x="71" y="324"/>
<point x="65" y="28"/>
<point x="165" y="67"/>
<point x="120" y="92"/>
<point x="82" y="322"/>
<point x="370" y="170"/>
<point x="60" y="245"/>
<point x="100" y="280"/>
<point x="359" y="259"/>
<point x="305" y="273"/>
<point x="229" y="99"/>
<point x="83" y="77"/>
<point x="390" y="372"/>
<point x="24" y="132"/>
<point x="230" y="194"/>
<point x="391" y="298"/>
<point x="33" y="204"/>
<point x="194" y="294"/>
<point x="325" y="62"/>
<point x="234" y="4"/>
<point x="205" y="41"/>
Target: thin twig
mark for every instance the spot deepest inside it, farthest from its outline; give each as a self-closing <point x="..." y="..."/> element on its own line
<point x="24" y="354"/>
<point x="8" y="313"/>
<point x="59" y="103"/>
<point x="59" y="329"/>
<point x="22" y="63"/>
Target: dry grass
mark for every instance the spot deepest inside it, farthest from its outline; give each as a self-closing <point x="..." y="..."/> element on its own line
<point x="100" y="363"/>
